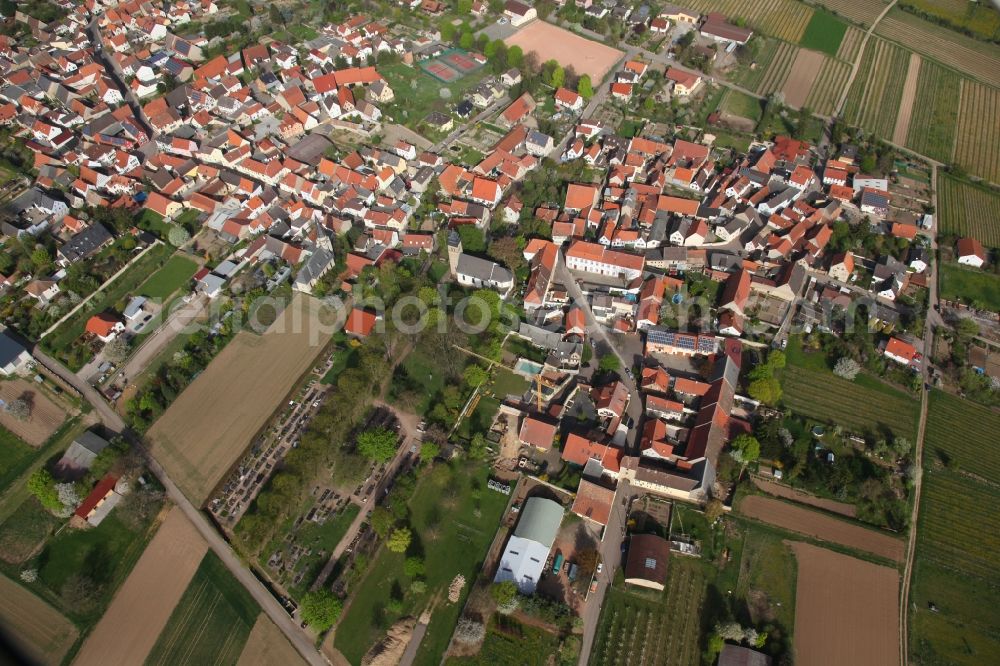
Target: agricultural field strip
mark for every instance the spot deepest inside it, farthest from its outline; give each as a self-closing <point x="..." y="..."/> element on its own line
<point x="785" y="19"/>
<point x="266" y="645"/>
<point x="935" y="112"/>
<point x="778" y="69"/>
<point x="35" y="627"/>
<point x="835" y="400"/>
<point x="956" y="533"/>
<point x="826" y="90"/>
<point x="862" y="12"/>
<point x="883" y="89"/>
<point x="851" y="44"/>
<point x="903" y="119"/>
<point x="968" y="210"/>
<point x="811" y="523"/>
<point x="978" y="144"/>
<point x="965" y="444"/>
<point x="977" y="59"/>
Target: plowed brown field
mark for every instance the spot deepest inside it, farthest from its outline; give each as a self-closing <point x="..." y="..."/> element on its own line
<point x="140" y="610"/>
<point x="36" y="628"/>
<point x="846" y="610"/>
<point x="824" y="528"/>
<point x="267" y="645"/>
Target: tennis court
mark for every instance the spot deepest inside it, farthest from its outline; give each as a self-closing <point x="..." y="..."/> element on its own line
<point x="461" y="62"/>
<point x="440" y="71"/>
<point x="450" y="65"/>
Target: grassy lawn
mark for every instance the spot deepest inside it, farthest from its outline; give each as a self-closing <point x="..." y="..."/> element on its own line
<point x="15" y="455"/>
<point x="508" y="642"/>
<point x="437" y="270"/>
<point x="342" y="360"/>
<point x="743" y="105"/>
<point x="969" y="285"/>
<point x="507" y="383"/>
<point x="210" y="623"/>
<point x="174" y="275"/>
<point x="14" y="479"/>
<point x="480" y="418"/>
<point x="768" y="566"/>
<point x="419" y="370"/>
<point x="24" y="531"/>
<point x="824" y="33"/>
<point x="153" y="222"/>
<point x="454" y="518"/>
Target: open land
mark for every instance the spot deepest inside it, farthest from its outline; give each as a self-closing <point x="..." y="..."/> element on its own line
<point x="45" y="418"/>
<point x="131" y="625"/>
<point x="777" y="69"/>
<point x="966" y="209"/>
<point x="981" y="19"/>
<point x="553" y="43"/>
<point x="802" y="497"/>
<point x="210" y="623"/>
<point x="862" y="12"/>
<point x="970" y="285"/>
<point x="208" y="427"/>
<point x="957" y="545"/>
<point x="266" y="645"/>
<point x="822" y="527"/>
<point x="510" y="642"/>
<point x="825" y="90"/>
<point x="35" y="627"/>
<point x="902" y="128"/>
<point x="172" y="276"/>
<point x="801" y="77"/>
<point x="839" y="597"/>
<point x="824" y="33"/>
<point x="653" y="628"/>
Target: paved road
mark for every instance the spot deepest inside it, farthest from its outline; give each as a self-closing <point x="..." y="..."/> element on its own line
<point x="610" y="550"/>
<point x="267" y="602"/>
<point x="111" y="66"/>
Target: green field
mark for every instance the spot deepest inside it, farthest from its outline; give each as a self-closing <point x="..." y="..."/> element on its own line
<point x="958" y="537"/>
<point x="869" y="407"/>
<point x="874" y="98"/>
<point x="970" y="285"/>
<point x="175" y="274"/>
<point x="824" y="33"/>
<point x="935" y="112"/>
<point x="653" y="628"/>
<point x="15" y="455"/>
<point x="24" y="531"/>
<point x="211" y="621"/>
<point x="418" y="93"/>
<point x="764" y="49"/>
<point x="967" y="209"/>
<point x="978" y="18"/>
<point x="510" y="643"/>
<point x="454" y="518"/>
<point x="742" y="105"/>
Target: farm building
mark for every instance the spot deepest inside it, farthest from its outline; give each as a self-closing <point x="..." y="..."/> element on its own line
<point x="80" y="455"/>
<point x="523" y="559"/>
<point x="737" y="655"/>
<point x="970" y="252"/>
<point x="646" y="561"/>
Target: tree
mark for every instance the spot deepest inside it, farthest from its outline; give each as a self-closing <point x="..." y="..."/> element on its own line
<point x="966" y="329"/>
<point x="515" y="56"/>
<point x="40" y="257"/>
<point x="178" y="235"/>
<point x="413" y="567"/>
<point x="42" y="486"/>
<point x="429" y="451"/>
<point x="508" y="251"/>
<point x="745" y="449"/>
<point x="275" y="15"/>
<point x="608" y="363"/>
<point x="766" y="389"/>
<point x="469" y="631"/>
<point x="117" y="350"/>
<point x="418" y="587"/>
<point x="505" y="596"/>
<point x="465" y="41"/>
<point x="447" y="31"/>
<point x="586" y="559"/>
<point x="558" y="76"/>
<point x="474" y="375"/>
<point x="19" y="409"/>
<point x="584" y="87"/>
<point x="713" y="510"/>
<point x="381" y="521"/>
<point x="477" y="447"/>
<point x="399" y="540"/>
<point x="378" y="444"/>
<point x="80" y="592"/>
<point x="320" y="609"/>
<point x="847" y="368"/>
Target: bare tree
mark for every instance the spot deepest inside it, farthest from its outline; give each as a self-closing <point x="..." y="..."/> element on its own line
<point x="19" y="409"/>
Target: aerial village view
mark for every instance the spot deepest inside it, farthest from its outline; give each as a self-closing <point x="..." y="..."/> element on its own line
<point x="456" y="332"/>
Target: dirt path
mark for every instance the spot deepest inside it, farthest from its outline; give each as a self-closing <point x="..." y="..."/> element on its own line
<point x="845" y="610"/>
<point x="802" y="497"/>
<point x="826" y="528"/>
<point x="857" y="60"/>
<point x="800" y="79"/>
<point x="906" y="103"/>
<point x="142" y="607"/>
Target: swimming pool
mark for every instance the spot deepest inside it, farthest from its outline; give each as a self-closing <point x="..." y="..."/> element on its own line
<point x="526" y="367"/>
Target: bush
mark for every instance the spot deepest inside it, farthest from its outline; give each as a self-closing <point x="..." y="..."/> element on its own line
<point x="320" y="609"/>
